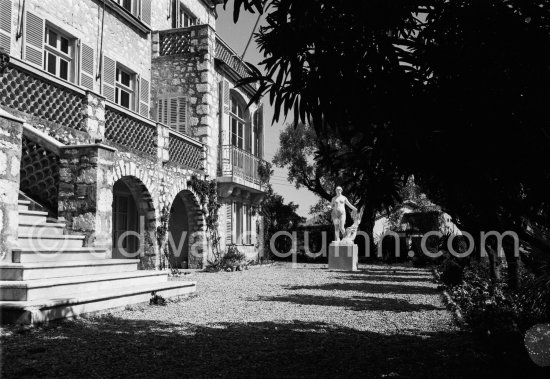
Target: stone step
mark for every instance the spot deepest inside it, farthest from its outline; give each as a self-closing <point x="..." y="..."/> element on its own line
<point x="44" y="241"/>
<point x="40" y="311"/>
<point x="32" y="217"/>
<point x="23" y="205"/>
<point x="71" y="286"/>
<point x="57" y="255"/>
<point x="47" y="228"/>
<point x="42" y="270"/>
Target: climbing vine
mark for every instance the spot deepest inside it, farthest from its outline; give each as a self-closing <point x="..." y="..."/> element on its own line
<point x="166" y="258"/>
<point x="207" y="191"/>
<point x="265" y="172"/>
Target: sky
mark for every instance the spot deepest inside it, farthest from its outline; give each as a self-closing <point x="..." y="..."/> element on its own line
<point x="237" y="35"/>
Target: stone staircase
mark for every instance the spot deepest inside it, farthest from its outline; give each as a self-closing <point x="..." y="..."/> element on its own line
<point x="53" y="276"/>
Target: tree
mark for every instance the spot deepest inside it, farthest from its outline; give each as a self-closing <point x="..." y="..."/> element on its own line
<point x="298" y="149"/>
<point x="278" y="216"/>
<point x="340" y="70"/>
<point x="401" y="87"/>
<point x="487" y="70"/>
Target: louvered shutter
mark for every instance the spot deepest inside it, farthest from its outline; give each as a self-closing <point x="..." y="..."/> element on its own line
<point x="87" y="66"/>
<point x="109" y="78"/>
<point x="260" y="130"/>
<point x="229" y="223"/>
<point x="178" y="112"/>
<point x="162" y="111"/>
<point x="248" y="137"/>
<point x="5" y="25"/>
<point x="146" y="11"/>
<point x="34" y="39"/>
<point x="225" y="104"/>
<point x="144" y="98"/>
<point x="172" y="111"/>
<point x="253" y="230"/>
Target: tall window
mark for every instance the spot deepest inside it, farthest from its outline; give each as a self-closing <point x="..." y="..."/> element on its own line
<point x="186" y="18"/>
<point x="242" y="227"/>
<point x="125" y="88"/>
<point x="237" y="123"/>
<point x="126" y="4"/>
<point x="59" y="54"/>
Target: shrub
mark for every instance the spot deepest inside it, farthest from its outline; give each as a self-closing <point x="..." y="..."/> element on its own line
<point x="232" y="259"/>
<point x="451" y="273"/>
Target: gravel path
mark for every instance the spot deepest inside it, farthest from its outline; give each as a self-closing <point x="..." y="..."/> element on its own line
<point x="268" y="322"/>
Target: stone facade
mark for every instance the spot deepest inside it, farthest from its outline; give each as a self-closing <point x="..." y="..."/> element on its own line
<point x="103" y="144"/>
<point x="10" y="157"/>
<point x="191" y="74"/>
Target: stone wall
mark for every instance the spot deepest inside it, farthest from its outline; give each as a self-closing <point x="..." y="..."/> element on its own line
<point x="82" y="20"/>
<point x="162" y="13"/>
<point x="191" y="74"/>
<point x="85" y="192"/>
<point x="10" y="156"/>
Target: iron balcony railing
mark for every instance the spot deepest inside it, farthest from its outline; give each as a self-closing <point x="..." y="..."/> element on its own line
<point x="240" y="164"/>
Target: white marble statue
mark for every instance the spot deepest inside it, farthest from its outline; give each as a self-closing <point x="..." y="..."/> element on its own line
<point x="351" y="232"/>
<point x="338" y="214"/>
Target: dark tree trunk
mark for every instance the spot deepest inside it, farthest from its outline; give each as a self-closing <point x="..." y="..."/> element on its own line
<point x="494" y="263"/>
<point x="367" y="248"/>
<point x="512" y="259"/>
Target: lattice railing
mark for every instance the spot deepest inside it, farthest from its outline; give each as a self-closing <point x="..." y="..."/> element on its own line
<point x="131" y="132"/>
<point x="185" y="152"/>
<point x="37" y="96"/>
<point x="230" y="58"/>
<point x="39" y="174"/>
<point x="174" y="42"/>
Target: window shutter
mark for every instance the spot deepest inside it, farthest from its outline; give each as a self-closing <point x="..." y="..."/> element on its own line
<point x="34" y="39"/>
<point x="254" y="232"/>
<point x="260" y="131"/>
<point x="172" y="111"/>
<point x="109" y="78"/>
<point x="144" y="98"/>
<point x="224" y="95"/>
<point x="5" y="25"/>
<point x="248" y="137"/>
<point x="162" y="111"/>
<point x="229" y="222"/>
<point x="87" y="66"/>
<point x="146" y="11"/>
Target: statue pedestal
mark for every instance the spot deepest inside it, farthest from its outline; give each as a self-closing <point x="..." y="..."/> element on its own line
<point x="342" y="256"/>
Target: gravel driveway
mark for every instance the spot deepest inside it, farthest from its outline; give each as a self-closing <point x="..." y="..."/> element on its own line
<point x="267" y="322"/>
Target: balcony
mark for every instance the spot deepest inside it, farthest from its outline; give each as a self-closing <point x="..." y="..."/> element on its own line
<point x="239" y="168"/>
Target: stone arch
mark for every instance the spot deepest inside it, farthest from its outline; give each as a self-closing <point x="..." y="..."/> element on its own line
<point x="134" y="211"/>
<point x="186" y="226"/>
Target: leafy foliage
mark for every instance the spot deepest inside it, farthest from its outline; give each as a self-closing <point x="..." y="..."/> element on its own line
<point x="166" y="258"/>
<point x="265" y="171"/>
<point x="454" y="92"/>
<point x="207" y="190"/>
<point x="229" y="261"/>
<point x="278" y="216"/>
<point x="451" y="273"/>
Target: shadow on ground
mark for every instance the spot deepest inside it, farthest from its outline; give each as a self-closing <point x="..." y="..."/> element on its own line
<point x="354" y="303"/>
<point x="390" y="278"/>
<point x="109" y="346"/>
<point x="370" y="287"/>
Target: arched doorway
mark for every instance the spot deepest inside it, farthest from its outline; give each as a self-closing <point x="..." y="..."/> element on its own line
<point x="184" y="215"/>
<point x="133" y="220"/>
